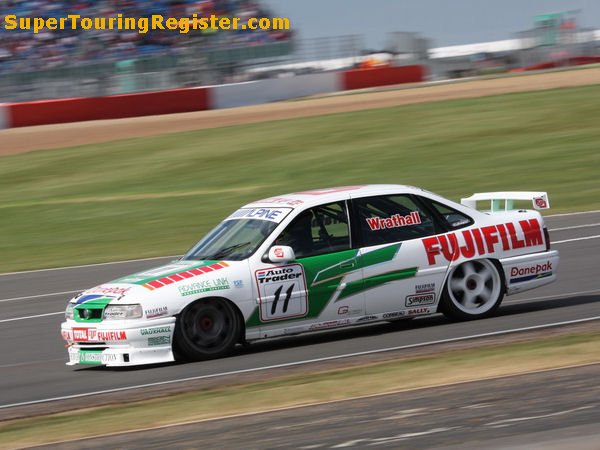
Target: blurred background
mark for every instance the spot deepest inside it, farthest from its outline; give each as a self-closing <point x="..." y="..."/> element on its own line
<point x="479" y="38"/>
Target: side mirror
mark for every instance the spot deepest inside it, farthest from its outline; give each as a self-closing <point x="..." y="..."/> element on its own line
<point x="281" y="254"/>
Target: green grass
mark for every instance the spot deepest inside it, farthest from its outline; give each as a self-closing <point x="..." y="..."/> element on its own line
<point x="157" y="196"/>
<point x="306" y="388"/>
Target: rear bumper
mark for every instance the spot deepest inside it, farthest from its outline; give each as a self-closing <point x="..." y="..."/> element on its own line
<point x="129" y="343"/>
<point x="530" y="271"/>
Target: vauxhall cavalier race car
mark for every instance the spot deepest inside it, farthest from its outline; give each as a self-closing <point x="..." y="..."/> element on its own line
<point x="312" y="261"/>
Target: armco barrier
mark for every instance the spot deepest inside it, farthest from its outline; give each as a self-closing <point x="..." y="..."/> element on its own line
<point x="113" y="107"/>
<point x="274" y="89"/>
<point x="4" y="116"/>
<point x="382" y="76"/>
<point x="203" y="98"/>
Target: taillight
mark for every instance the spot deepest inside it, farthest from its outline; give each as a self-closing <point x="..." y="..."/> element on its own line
<point x="547" y="238"/>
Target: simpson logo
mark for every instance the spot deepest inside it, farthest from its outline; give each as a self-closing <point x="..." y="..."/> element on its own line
<point x="482" y="241"/>
<point x="396" y="221"/>
<point x="521" y="274"/>
<point x="420" y="299"/>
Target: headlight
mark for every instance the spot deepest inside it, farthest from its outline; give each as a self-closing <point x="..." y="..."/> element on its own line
<point x="119" y="312"/>
<point x="69" y="311"/>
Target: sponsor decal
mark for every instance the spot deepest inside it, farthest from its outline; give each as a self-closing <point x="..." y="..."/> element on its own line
<point x="426" y="287"/>
<point x="483" y="241"/>
<point x="159" y="340"/>
<point x="396" y="221"/>
<point x="157" y="330"/>
<point x="420" y="299"/>
<point x="540" y="202"/>
<point x="394" y="315"/>
<point x="84" y="334"/>
<point x="278" y="251"/>
<point x="282" y="292"/>
<point x="417" y="311"/>
<point x="329" y="324"/>
<point x="90" y="357"/>
<point x="238" y="284"/>
<point x="91" y="334"/>
<point x="173" y="278"/>
<point x="198" y="287"/>
<point x="345" y="310"/>
<point x="330" y="190"/>
<point x="282" y="201"/>
<point x="111" y="335"/>
<point x="67" y="335"/>
<point x="520" y="274"/>
<point x="278" y="274"/>
<point x="271" y="214"/>
<point x="366" y="318"/>
<point x="159" y="311"/>
<point x="105" y="290"/>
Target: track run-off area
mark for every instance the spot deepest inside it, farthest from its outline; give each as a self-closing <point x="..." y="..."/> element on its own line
<point x="33" y="370"/>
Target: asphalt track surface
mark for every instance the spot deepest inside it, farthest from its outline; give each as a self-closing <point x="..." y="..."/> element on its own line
<point x="507" y="413"/>
<point x="32" y="369"/>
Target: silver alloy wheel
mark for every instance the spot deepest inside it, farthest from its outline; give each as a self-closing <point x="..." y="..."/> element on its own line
<point x="474" y="287"/>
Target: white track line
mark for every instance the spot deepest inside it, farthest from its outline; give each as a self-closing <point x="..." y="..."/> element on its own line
<point x="89" y="265"/>
<point x="305" y="362"/>
<point x="14" y="319"/>
<point x="177" y="256"/>
<point x="41" y="295"/>
<point x="574" y="227"/>
<point x="576" y="239"/>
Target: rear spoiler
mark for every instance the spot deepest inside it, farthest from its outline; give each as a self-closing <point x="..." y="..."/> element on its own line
<point x="539" y="200"/>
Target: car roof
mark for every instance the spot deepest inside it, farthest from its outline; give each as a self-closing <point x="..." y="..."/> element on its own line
<point x="328" y="195"/>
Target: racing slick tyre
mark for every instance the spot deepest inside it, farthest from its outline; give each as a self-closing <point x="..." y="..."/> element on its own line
<point x="473" y="290"/>
<point x="206" y="329"/>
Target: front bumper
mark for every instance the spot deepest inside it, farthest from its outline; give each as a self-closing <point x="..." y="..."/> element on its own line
<point x="119" y="343"/>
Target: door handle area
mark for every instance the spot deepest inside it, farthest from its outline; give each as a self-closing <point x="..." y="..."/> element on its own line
<point x="347" y="265"/>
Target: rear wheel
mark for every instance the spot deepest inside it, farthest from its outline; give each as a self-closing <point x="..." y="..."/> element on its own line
<point x="473" y="290"/>
<point x="207" y="329"/>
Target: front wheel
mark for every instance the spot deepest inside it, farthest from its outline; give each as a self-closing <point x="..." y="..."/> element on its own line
<point x="473" y="290"/>
<point x="207" y="329"/>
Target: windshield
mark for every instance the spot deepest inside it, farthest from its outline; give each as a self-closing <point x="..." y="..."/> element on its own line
<point x="238" y="237"/>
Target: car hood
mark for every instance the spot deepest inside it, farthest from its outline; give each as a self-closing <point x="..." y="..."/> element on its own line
<point x="178" y="276"/>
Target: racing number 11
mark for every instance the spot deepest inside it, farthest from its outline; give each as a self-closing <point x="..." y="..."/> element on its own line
<point x="286" y="302"/>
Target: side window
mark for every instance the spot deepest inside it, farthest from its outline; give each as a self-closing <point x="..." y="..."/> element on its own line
<point x="454" y="219"/>
<point x="323" y="229"/>
<point x="391" y="218"/>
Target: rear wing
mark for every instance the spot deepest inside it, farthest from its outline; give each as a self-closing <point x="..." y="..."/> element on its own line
<point x="503" y="201"/>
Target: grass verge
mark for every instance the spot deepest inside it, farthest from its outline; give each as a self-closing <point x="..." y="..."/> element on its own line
<point x="447" y="368"/>
<point x="156" y="196"/>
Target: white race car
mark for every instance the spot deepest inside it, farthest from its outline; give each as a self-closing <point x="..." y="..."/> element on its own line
<point x="312" y="261"/>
